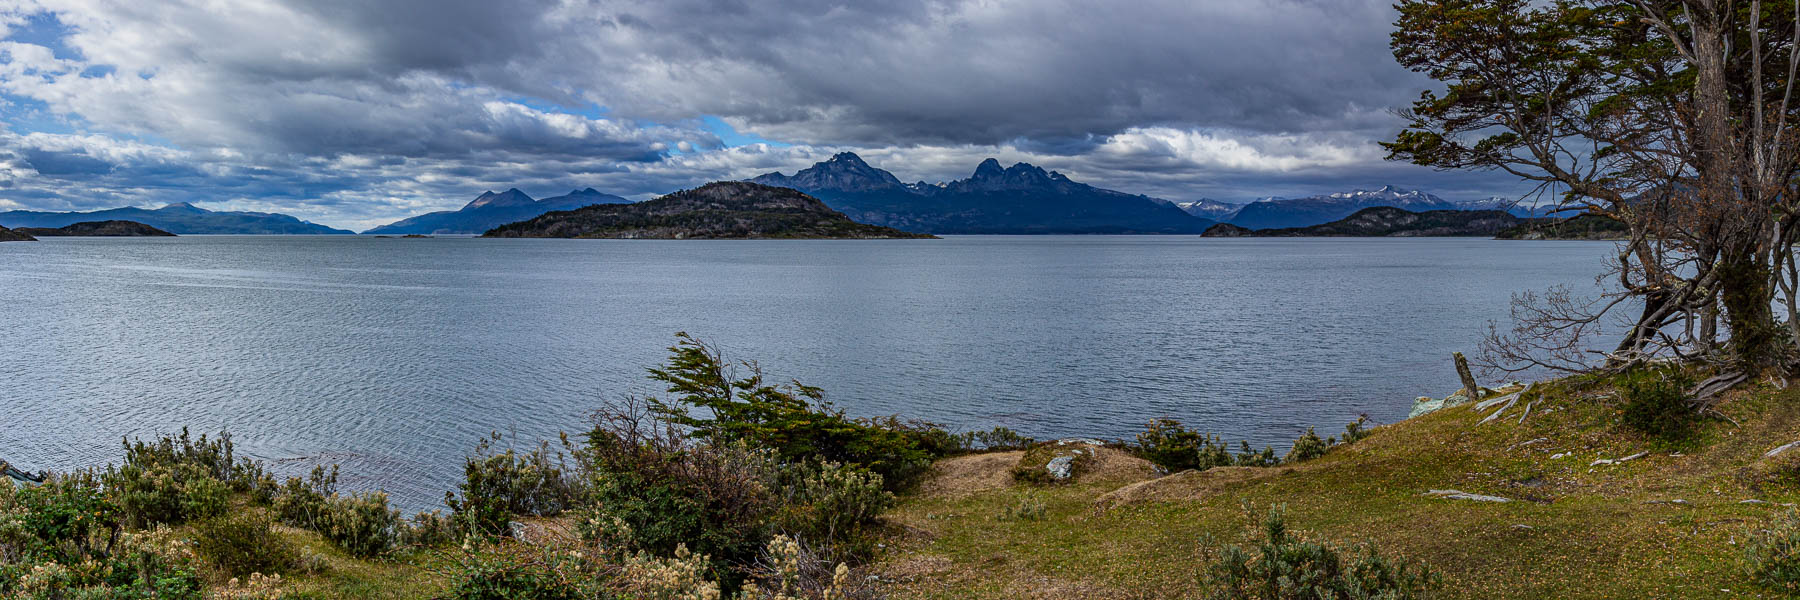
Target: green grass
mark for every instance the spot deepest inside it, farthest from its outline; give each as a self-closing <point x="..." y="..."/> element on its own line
<point x="1591" y="533"/>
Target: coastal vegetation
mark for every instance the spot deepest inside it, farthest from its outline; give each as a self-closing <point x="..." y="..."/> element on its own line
<point x="13" y="235"/>
<point x="730" y="486"/>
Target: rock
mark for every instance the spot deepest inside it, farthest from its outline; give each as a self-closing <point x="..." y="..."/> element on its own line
<point x="1061" y="467"/>
<point x="1614" y="461"/>
<point x="1462" y="495"/>
<point x="1425" y="405"/>
<point x="1675" y="501"/>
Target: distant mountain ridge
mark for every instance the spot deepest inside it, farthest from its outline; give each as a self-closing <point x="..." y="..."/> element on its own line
<point x="179" y="218"/>
<point x="1274" y="213"/>
<point x="718" y="210"/>
<point x="491" y="209"/>
<point x="1020" y="199"/>
<point x="1388" y="221"/>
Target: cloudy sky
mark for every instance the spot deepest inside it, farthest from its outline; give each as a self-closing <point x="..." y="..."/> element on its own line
<point x="355" y="112"/>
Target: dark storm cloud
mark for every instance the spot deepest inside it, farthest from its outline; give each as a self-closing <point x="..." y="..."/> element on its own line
<point x="357" y="112"/>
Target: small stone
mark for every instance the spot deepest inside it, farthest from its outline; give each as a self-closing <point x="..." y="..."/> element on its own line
<point x="1061" y="467"/>
<point x="1462" y="495"/>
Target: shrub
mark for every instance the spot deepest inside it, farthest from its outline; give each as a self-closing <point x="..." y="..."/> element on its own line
<point x="656" y="490"/>
<point x="498" y="485"/>
<point x="829" y="502"/>
<point x="175" y="479"/>
<point x="427" y="529"/>
<point x="1030" y="507"/>
<point x="1356" y="430"/>
<point x="361" y="523"/>
<point x="721" y="405"/>
<point x="1307" y="447"/>
<point x="304" y="502"/>
<point x="1168" y="444"/>
<point x="993" y="440"/>
<point x="241" y="544"/>
<point x="1283" y="566"/>
<point x="1656" y="403"/>
<point x="1772" y="553"/>
<point x="499" y="576"/>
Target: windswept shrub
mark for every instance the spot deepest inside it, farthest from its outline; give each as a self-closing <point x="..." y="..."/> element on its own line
<point x="504" y="576"/>
<point x="1356" y="430"/>
<point x="723" y="402"/>
<point x="1309" y="446"/>
<point x="992" y="440"/>
<point x="1772" y="553"/>
<point x="498" y="485"/>
<point x="1282" y="566"/>
<point x="244" y="543"/>
<point x="1656" y="403"/>
<point x="1172" y="446"/>
<point x="664" y="490"/>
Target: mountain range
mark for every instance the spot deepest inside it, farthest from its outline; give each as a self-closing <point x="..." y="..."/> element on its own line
<point x="719" y="210"/>
<point x="1277" y="213"/>
<point x="490" y="210"/>
<point x="1020" y="199"/>
<point x="180" y="218"/>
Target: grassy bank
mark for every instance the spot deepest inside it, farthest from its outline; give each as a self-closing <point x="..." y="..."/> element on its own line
<point x="733" y="488"/>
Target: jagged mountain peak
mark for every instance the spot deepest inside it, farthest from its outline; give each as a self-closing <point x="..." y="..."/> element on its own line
<point x="510" y="197"/>
<point x="988" y="169"/>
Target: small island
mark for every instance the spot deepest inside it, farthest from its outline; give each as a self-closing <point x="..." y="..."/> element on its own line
<point x="98" y="229"/>
<point x="719" y="210"/>
<point x="1585" y="226"/>
<point x="12" y="235"/>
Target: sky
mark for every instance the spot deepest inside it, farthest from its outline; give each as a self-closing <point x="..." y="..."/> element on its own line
<point x="354" y="113"/>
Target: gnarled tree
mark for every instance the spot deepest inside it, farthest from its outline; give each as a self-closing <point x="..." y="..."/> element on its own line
<point x="1672" y="116"/>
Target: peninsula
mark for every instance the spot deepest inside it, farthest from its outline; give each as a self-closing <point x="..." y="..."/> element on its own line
<point x="98" y="229"/>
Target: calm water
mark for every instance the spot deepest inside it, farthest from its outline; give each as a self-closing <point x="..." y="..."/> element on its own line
<point x="393" y="356"/>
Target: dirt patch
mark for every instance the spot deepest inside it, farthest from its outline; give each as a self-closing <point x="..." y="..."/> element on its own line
<point x="971" y="474"/>
<point x="1112" y="465"/>
<point x="1186" y="485"/>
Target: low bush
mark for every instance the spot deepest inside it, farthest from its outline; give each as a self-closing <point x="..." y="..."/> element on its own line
<point x="1282" y="566"/>
<point x="498" y="485"/>
<point x="362" y="524"/>
<point x="1307" y="447"/>
<point x="1030" y="507"/>
<point x="1172" y="446"/>
<point x="1656" y="403"/>
<point x="829" y="503"/>
<point x="244" y="543"/>
<point x="304" y="502"/>
<point x="499" y="576"/>
<point x="1772" y="553"/>
<point x="428" y="529"/>
<point x="993" y="440"/>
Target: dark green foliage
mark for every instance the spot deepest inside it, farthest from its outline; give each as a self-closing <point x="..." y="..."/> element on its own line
<point x="1772" y="553"/>
<point x="993" y="440"/>
<point x="303" y="502"/>
<point x="794" y="420"/>
<point x="1282" y="566"/>
<point x="62" y="539"/>
<point x="499" y="485"/>
<point x="1356" y="430"/>
<point x="243" y="543"/>
<point x="1172" y="446"/>
<point x="1656" y="403"/>
<point x="655" y="490"/>
<point x="1307" y="447"/>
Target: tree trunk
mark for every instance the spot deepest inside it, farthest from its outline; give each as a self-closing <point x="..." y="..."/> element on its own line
<point x="1470" y="389"/>
<point x="1744" y="290"/>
